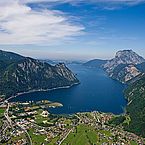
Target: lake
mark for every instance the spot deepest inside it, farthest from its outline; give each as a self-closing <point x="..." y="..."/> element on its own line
<point x="96" y="92"/>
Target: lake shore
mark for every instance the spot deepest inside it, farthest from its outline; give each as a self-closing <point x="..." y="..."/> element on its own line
<point x="96" y="92"/>
<point x="42" y="90"/>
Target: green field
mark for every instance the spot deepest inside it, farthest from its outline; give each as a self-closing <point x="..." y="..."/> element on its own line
<point x="53" y="141"/>
<point x="1" y="116"/>
<point x="36" y="139"/>
<point x="39" y="119"/>
<point x="2" y="112"/>
<point x="133" y="143"/>
<point x="85" y="135"/>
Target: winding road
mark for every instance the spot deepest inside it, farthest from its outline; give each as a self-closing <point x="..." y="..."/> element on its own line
<point x="6" y="114"/>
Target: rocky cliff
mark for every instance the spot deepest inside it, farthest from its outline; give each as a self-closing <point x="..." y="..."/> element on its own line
<point x="123" y="66"/>
<point x="26" y="74"/>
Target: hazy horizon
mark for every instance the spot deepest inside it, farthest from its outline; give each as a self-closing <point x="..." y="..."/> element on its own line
<point x="72" y="30"/>
<point x="68" y="58"/>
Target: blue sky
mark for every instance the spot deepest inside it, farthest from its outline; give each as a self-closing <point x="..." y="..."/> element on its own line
<point x="72" y="29"/>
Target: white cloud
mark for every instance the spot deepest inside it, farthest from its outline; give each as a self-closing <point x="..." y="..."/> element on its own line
<point x="19" y="24"/>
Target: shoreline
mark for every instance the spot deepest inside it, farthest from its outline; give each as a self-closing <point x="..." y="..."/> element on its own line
<point x="123" y="112"/>
<point x="67" y="87"/>
<point x="42" y="90"/>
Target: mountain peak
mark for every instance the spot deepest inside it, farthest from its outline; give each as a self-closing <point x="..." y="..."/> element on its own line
<point x="122" y="52"/>
<point x="128" y="57"/>
<point x="122" y="66"/>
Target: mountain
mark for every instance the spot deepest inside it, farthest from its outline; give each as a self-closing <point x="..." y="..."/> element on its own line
<point x="125" y="73"/>
<point x="48" y="61"/>
<point x="69" y="61"/>
<point x="129" y="67"/>
<point x="20" y="74"/>
<point x="95" y="63"/>
<point x="10" y="56"/>
<point x="135" y="95"/>
<point x="123" y="66"/>
<point x="141" y="67"/>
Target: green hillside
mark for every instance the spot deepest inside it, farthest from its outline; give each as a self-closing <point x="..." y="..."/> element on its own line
<point x="135" y="94"/>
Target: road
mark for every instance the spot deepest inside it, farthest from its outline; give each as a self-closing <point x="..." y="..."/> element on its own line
<point x="6" y="114"/>
<point x="65" y="136"/>
<point x="27" y="134"/>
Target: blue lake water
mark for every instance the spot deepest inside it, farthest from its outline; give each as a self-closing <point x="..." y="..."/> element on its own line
<point x="96" y="92"/>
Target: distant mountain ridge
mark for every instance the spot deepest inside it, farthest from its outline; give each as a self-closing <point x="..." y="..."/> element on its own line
<point x="20" y="74"/>
<point x="95" y="63"/>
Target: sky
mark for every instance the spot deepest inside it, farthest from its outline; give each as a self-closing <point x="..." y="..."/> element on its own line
<point x="72" y="29"/>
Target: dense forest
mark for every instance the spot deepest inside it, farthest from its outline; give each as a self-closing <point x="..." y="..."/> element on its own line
<point x="135" y="95"/>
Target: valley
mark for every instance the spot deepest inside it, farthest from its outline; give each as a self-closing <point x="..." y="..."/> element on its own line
<point x="75" y="111"/>
<point x="72" y="72"/>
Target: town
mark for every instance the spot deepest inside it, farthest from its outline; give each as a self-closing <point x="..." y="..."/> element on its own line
<point x="31" y="123"/>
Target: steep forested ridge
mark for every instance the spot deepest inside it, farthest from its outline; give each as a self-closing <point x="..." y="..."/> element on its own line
<point x="19" y="74"/>
<point x="135" y="95"/>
